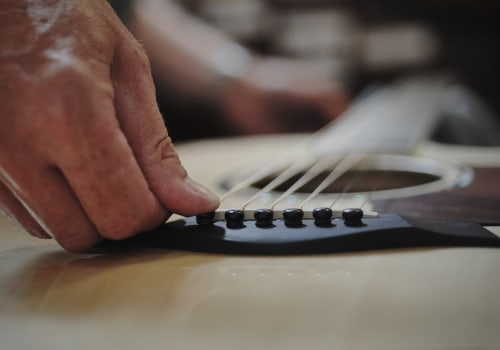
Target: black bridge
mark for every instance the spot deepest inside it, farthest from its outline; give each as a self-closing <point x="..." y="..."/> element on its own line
<point x="308" y="236"/>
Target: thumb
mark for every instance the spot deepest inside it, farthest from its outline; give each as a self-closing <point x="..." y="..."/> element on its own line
<point x="145" y="130"/>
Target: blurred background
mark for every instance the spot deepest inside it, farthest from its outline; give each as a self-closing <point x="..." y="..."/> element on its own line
<point x="347" y="44"/>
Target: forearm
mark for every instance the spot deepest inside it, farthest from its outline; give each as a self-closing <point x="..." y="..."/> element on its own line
<point x="191" y="56"/>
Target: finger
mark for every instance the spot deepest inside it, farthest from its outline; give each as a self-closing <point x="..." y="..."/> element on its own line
<point x="46" y="196"/>
<point x="15" y="211"/>
<point x="144" y="128"/>
<point x="102" y="171"/>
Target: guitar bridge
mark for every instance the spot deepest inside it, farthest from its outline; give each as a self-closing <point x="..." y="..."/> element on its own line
<point x="385" y="231"/>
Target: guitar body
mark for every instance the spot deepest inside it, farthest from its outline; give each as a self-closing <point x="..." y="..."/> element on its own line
<point x="151" y="298"/>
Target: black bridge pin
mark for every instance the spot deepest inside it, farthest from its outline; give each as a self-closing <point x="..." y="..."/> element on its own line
<point x="322" y="216"/>
<point x="352" y="216"/>
<point x="205" y="219"/>
<point x="234" y="218"/>
<point x="263" y="217"/>
<point x="293" y="217"/>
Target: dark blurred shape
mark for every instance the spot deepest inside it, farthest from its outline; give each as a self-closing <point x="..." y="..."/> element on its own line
<point x="467" y="120"/>
<point x="467" y="31"/>
<point x="359" y="42"/>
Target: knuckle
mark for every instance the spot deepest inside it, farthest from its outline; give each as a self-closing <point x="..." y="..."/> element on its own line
<point x="140" y="56"/>
<point x="68" y="225"/>
<point x="161" y="150"/>
<point x="119" y="229"/>
<point x="132" y="53"/>
<point x="77" y="243"/>
<point x="131" y="225"/>
<point x="164" y="149"/>
<point x="143" y="60"/>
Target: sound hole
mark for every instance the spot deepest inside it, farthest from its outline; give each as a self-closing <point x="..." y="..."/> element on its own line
<point x="357" y="181"/>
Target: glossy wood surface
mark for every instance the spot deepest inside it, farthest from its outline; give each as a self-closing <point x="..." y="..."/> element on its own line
<point x="155" y="299"/>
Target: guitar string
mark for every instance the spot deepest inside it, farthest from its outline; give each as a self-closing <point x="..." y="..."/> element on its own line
<point x="424" y="101"/>
<point x="401" y="105"/>
<point x="354" y="156"/>
<point x="315" y="170"/>
<point x="417" y="101"/>
<point x="320" y="167"/>
<point x="266" y="170"/>
<point x="325" y="161"/>
<point x="271" y="168"/>
<point x="367" y="194"/>
<point x="340" y="169"/>
<point x="343" y="165"/>
<point x="354" y="179"/>
<point x="293" y="170"/>
<point x="383" y="110"/>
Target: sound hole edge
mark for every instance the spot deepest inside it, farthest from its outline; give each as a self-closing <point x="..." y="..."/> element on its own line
<point x="382" y="175"/>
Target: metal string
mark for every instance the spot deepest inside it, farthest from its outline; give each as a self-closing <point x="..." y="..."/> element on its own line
<point x="377" y="109"/>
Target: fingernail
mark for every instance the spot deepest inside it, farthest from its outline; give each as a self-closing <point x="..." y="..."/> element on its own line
<point x="212" y="198"/>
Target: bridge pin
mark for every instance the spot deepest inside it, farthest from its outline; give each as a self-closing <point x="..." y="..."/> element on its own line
<point x="205" y="219"/>
<point x="322" y="216"/>
<point x="293" y="217"/>
<point x="234" y="218"/>
<point x="352" y="216"/>
<point x="263" y="217"/>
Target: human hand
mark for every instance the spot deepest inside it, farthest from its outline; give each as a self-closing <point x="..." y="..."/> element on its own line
<point x="84" y="153"/>
<point x="282" y="95"/>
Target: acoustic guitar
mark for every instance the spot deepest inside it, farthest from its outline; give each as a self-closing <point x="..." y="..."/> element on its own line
<point x="333" y="191"/>
<point x="365" y="235"/>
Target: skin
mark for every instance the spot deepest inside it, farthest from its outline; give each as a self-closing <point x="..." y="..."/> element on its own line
<point x="84" y="153"/>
